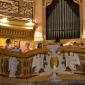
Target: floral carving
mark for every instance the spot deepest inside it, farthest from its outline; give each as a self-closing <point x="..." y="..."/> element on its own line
<point x="11" y="8"/>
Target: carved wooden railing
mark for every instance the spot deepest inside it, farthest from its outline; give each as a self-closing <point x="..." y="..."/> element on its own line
<point x="80" y="50"/>
<point x="24" y="69"/>
<point x="76" y="49"/>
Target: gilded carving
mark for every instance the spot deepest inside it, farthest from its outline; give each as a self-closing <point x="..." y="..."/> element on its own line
<point x="16" y="10"/>
<point x="24" y="59"/>
<point x="74" y="49"/>
<point x="47" y="2"/>
<point x="11" y="8"/>
<point x="77" y="1"/>
<point x="16" y="33"/>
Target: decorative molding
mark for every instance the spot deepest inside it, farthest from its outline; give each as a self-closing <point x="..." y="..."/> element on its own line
<point x="17" y="8"/>
<point x="25" y="62"/>
<point x="18" y="12"/>
<point x="29" y="54"/>
<point x="74" y="49"/>
<point x="16" y="33"/>
<point x="47" y="2"/>
<point x="77" y="1"/>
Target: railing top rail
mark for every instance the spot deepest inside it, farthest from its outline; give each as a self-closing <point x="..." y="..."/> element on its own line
<point x="76" y="49"/>
<point x="29" y="54"/>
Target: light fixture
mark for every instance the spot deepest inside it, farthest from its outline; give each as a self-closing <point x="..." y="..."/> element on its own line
<point x="3" y="20"/>
<point x="30" y="23"/>
<point x="4" y="24"/>
<point x="29" y="28"/>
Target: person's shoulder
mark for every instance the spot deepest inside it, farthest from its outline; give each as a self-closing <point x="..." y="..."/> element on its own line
<point x="20" y="49"/>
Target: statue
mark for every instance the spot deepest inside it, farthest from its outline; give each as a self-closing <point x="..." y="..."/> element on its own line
<point x="13" y="63"/>
<point x="72" y="61"/>
<point x="61" y="65"/>
<point x="37" y="64"/>
<point x="47" y="66"/>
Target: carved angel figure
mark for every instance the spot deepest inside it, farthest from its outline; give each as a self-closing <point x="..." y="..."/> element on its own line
<point x="13" y="63"/>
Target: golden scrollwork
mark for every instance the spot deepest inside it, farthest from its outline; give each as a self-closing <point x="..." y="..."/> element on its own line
<point x="17" y="8"/>
<point x="47" y="2"/>
<point x="16" y="33"/>
<point x="77" y="1"/>
<point x="74" y="49"/>
<point x="54" y="62"/>
<point x="25" y="62"/>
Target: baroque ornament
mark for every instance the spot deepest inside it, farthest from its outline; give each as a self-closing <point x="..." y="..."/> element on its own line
<point x="77" y="1"/>
<point x="47" y="2"/>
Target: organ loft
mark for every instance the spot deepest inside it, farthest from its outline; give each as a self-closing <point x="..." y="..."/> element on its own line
<point x="42" y="42"/>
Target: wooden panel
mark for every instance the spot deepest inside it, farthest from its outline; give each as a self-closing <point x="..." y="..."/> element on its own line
<point x="16" y="33"/>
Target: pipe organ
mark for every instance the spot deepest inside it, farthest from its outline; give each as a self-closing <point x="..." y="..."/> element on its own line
<point x="62" y="20"/>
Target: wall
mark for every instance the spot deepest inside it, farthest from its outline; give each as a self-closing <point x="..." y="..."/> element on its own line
<point x="83" y="18"/>
<point x="40" y="20"/>
<point x="38" y="36"/>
